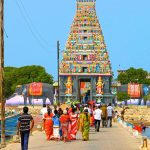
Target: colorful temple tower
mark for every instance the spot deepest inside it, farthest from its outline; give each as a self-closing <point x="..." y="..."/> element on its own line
<point x="85" y="69"/>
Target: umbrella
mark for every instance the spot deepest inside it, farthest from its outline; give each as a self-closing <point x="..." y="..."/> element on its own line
<point x="64" y="106"/>
<point x="91" y="102"/>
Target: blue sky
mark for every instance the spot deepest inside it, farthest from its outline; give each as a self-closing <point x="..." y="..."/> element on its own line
<point x="34" y="26"/>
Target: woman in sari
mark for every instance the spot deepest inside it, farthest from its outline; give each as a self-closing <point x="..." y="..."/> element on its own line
<point x="80" y="119"/>
<point x="64" y="120"/>
<point x="85" y="125"/>
<point x="92" y="120"/>
<point x="73" y="124"/>
<point x="48" y="124"/>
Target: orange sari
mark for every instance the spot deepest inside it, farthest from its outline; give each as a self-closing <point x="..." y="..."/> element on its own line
<point x="48" y="125"/>
<point x="92" y="119"/>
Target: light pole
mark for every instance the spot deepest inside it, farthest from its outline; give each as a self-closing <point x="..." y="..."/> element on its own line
<point x="58" y="45"/>
<point x="2" y="101"/>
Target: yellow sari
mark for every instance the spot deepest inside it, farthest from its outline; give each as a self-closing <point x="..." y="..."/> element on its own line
<point x="85" y="126"/>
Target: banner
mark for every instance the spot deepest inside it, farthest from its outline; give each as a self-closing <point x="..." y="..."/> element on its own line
<point x="134" y="90"/>
<point x="35" y="89"/>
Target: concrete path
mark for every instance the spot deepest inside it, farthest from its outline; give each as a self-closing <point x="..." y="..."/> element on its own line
<point x="115" y="138"/>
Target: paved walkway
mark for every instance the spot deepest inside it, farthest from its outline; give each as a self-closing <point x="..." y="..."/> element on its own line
<point x="115" y="138"/>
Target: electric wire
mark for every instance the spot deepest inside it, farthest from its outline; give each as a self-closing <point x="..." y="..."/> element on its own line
<point x="30" y="20"/>
<point x="30" y="28"/>
<point x="5" y="33"/>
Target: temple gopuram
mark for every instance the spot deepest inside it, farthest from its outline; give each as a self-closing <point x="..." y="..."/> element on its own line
<point x="85" y="69"/>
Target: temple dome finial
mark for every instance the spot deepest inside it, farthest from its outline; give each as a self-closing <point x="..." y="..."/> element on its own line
<point x="86" y="0"/>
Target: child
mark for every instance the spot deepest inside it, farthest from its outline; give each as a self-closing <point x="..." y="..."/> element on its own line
<point x="56" y="126"/>
<point x="115" y="116"/>
<point x="143" y="127"/>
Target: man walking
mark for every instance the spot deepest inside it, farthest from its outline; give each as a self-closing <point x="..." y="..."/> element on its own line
<point x="43" y="110"/>
<point x="25" y="127"/>
<point x="109" y="115"/>
<point x="97" y="117"/>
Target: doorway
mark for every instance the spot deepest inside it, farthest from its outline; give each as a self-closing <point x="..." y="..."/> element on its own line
<point x="85" y="90"/>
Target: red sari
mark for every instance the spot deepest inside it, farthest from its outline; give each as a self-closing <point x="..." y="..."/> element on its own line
<point x="48" y="125"/>
<point x="92" y="119"/>
<point x="73" y="126"/>
<point x="64" y="120"/>
<point x="138" y="128"/>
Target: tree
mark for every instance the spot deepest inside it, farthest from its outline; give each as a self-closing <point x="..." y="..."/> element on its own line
<point x="135" y="76"/>
<point x="123" y="78"/>
<point x="147" y="97"/>
<point x="122" y="96"/>
<point x="24" y="75"/>
<point x="8" y="81"/>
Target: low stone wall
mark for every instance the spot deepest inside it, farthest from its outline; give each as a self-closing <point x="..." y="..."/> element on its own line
<point x="134" y="133"/>
<point x="136" y="114"/>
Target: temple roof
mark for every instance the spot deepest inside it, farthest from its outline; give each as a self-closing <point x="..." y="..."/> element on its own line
<point x="85" y="52"/>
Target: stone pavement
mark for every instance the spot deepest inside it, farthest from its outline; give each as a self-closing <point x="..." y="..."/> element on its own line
<point x="115" y="138"/>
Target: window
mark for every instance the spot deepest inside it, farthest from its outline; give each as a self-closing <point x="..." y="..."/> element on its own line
<point x="85" y="57"/>
<point x="85" y="38"/>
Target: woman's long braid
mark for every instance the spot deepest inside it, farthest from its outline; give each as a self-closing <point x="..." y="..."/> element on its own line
<point x="49" y="111"/>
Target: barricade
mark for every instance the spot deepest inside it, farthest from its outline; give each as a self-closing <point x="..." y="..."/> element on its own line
<point x="144" y="140"/>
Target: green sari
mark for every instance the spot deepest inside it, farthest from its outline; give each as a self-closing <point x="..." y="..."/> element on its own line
<point x="85" y="126"/>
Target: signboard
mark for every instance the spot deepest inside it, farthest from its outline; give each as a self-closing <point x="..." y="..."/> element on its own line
<point x="134" y="90"/>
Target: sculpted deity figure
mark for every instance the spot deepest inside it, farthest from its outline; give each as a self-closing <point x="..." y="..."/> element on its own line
<point x="99" y="86"/>
<point x="80" y="69"/>
<point x="69" y="85"/>
<point x="97" y="68"/>
<point x="89" y="69"/>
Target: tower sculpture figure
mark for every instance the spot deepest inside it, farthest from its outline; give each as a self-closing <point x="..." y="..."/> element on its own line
<point x="99" y="86"/>
<point x="69" y="86"/>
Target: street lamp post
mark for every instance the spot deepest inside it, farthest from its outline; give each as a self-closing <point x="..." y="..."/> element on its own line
<point x="58" y="45"/>
<point x="2" y="101"/>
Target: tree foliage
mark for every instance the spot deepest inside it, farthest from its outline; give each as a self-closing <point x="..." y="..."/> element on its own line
<point x="135" y="76"/>
<point x="24" y="75"/>
<point x="122" y="96"/>
<point x="147" y="97"/>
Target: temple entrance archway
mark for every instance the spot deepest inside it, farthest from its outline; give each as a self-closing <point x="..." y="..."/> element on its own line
<point x="85" y="90"/>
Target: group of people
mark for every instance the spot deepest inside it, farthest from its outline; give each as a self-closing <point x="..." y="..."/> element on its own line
<point x="104" y="114"/>
<point x="61" y="124"/>
<point x="64" y="124"/>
